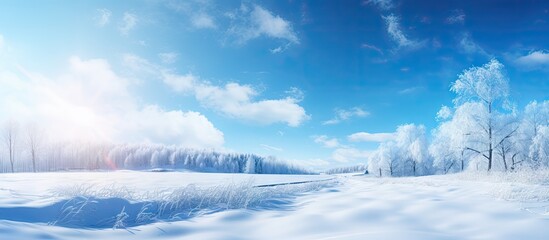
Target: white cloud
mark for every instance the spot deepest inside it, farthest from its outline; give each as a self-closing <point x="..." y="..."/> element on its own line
<point x="233" y="99"/>
<point x="190" y="129"/>
<point x="90" y="102"/>
<point x="469" y="46"/>
<point x="199" y="12"/>
<point x="372" y="47"/>
<point x="276" y="50"/>
<point x="444" y="113"/>
<point x="397" y="35"/>
<point x="342" y="115"/>
<point x="271" y="148"/>
<point x="180" y="83"/>
<point x="203" y="20"/>
<point x="326" y="141"/>
<point x="237" y="101"/>
<point x="168" y="57"/>
<point x="103" y="17"/>
<point x="381" y="4"/>
<point x="273" y="26"/>
<point x="457" y="17"/>
<point x="370" y="137"/>
<point x="261" y="22"/>
<point x="410" y="90"/>
<point x="348" y="154"/>
<point x="534" y="60"/>
<point x="128" y="23"/>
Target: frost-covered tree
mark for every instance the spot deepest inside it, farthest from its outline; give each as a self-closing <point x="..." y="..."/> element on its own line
<point x="406" y="155"/>
<point x="487" y="86"/>
<point x="535" y="117"/>
<point x="34" y="142"/>
<point x="361" y="168"/>
<point x="448" y="143"/>
<point x="539" y="149"/>
<point x="411" y="143"/>
<point x="10" y="135"/>
<point x="506" y="148"/>
<point x="384" y="161"/>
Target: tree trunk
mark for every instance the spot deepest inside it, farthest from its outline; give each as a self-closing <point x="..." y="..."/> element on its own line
<point x="33" y="153"/>
<point x="490" y="150"/>
<point x="462" y="160"/>
<point x="11" y="155"/>
<point x="503" y="156"/>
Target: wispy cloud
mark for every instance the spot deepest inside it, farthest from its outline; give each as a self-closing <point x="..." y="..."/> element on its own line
<point x="326" y="142"/>
<point x="103" y="16"/>
<point x="280" y="49"/>
<point x="410" y="90"/>
<point x="259" y="22"/>
<point x="469" y="46"/>
<point x="180" y="83"/>
<point x="457" y="17"/>
<point x="370" y="137"/>
<point x="276" y="50"/>
<point x="381" y="4"/>
<point x="345" y="114"/>
<point x="168" y="57"/>
<point x="536" y="60"/>
<point x="199" y="13"/>
<point x="372" y="47"/>
<point x="397" y="34"/>
<point x="203" y="20"/>
<point x="129" y="21"/>
<point x="271" y="148"/>
<point x="349" y="154"/>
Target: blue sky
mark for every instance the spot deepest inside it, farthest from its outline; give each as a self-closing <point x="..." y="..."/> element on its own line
<point x="293" y="79"/>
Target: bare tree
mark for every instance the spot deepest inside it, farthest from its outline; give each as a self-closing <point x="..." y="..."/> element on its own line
<point x="34" y="141"/>
<point x="10" y="137"/>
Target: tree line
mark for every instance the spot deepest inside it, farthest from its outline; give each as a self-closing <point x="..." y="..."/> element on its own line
<point x="28" y="150"/>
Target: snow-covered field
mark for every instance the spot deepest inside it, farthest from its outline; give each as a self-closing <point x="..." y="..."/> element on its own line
<point x="177" y="205"/>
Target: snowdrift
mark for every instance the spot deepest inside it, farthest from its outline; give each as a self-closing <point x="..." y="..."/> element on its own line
<point x="122" y="205"/>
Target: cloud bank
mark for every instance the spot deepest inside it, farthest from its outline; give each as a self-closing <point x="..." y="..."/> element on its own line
<point x="90" y="102"/>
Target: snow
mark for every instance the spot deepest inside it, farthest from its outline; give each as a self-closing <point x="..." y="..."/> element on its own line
<point x="459" y="206"/>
